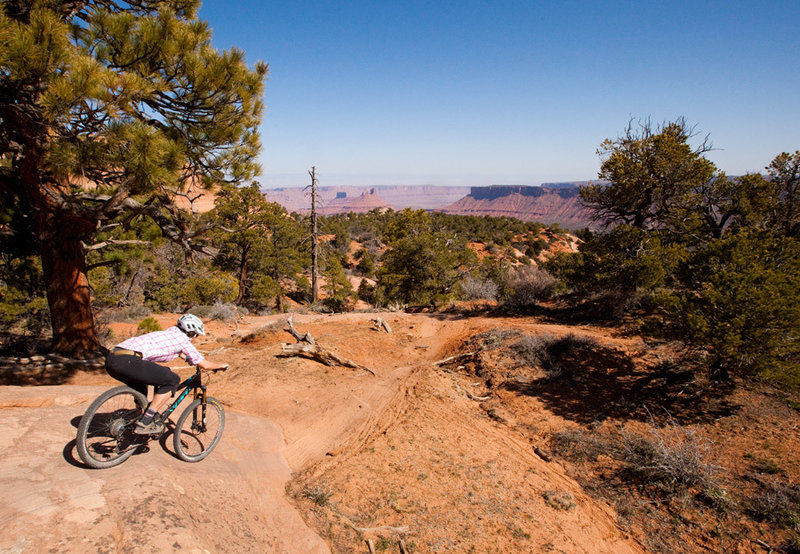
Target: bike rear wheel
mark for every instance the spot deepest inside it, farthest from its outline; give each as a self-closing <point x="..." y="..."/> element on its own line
<point x="197" y="431"/>
<point x="105" y="433"/>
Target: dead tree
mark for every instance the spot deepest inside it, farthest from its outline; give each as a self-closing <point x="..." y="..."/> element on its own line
<point x="314" y="237"/>
<point x="307" y="347"/>
<point x="380" y="324"/>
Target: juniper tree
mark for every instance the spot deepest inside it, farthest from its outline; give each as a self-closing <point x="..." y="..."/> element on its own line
<point x="785" y="179"/>
<point x="110" y="108"/>
<point x="652" y="173"/>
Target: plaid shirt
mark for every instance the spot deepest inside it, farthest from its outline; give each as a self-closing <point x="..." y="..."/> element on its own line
<point x="163" y="346"/>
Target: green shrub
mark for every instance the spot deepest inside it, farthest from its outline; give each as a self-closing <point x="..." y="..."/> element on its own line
<point x="366" y="262"/>
<point x="740" y="303"/>
<point x="209" y="289"/>
<point x="535" y="248"/>
<point x="367" y="292"/>
<point x="625" y="259"/>
<point x="264" y="290"/>
<point x="18" y="307"/>
<point x="148" y="325"/>
<point x="423" y="269"/>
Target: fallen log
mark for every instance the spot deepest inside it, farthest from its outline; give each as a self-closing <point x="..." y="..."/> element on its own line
<point x="544" y="455"/>
<point x="296" y="334"/>
<point x="454" y="358"/>
<point x="307" y="347"/>
<point x="319" y="354"/>
<point x="380" y="324"/>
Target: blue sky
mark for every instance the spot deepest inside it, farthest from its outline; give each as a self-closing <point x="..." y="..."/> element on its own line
<point x="509" y="92"/>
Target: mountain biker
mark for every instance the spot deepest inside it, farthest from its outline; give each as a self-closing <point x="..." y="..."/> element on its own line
<point x="133" y="361"/>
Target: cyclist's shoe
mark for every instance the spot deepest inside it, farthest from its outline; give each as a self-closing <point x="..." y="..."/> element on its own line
<point x="152" y="428"/>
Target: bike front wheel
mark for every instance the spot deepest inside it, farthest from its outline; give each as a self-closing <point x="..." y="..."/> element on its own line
<point x="105" y="433"/>
<point x="199" y="429"/>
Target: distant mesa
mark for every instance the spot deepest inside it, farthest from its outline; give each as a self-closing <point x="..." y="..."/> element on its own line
<point x="349" y="198"/>
<point x="363" y="203"/>
<point x="549" y="203"/>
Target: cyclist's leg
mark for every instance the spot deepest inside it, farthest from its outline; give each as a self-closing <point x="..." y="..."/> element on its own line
<point x="138" y="373"/>
<point x="122" y="367"/>
<point x="165" y="382"/>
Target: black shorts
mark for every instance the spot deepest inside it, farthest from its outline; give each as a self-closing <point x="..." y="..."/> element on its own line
<point x="138" y="373"/>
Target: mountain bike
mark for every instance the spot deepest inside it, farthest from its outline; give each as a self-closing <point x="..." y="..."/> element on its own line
<point x="105" y="433"/>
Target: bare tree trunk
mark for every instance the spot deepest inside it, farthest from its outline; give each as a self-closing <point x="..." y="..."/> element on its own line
<point x="314" y="268"/>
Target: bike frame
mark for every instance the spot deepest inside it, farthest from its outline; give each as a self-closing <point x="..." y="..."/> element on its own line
<point x="193" y="382"/>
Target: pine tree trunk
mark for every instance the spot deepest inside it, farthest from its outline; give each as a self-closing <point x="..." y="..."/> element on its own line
<point x="63" y="259"/>
<point x="64" y="268"/>
<point x="242" y="280"/>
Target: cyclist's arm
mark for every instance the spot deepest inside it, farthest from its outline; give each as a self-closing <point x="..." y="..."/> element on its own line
<point x="210" y="365"/>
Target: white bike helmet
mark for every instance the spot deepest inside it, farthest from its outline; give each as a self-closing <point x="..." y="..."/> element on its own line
<point x="190" y="323"/>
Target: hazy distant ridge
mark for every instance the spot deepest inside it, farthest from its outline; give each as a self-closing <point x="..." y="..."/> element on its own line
<point x="424" y="197"/>
<point x="549" y="203"/>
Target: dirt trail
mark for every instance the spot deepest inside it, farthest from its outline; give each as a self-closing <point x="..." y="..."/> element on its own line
<point x="404" y="448"/>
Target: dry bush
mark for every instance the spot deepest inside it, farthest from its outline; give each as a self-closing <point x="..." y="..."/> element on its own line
<point x="478" y="289"/>
<point x="131" y="313"/>
<point x="318" y="494"/>
<point x="532" y="350"/>
<point x="560" y="500"/>
<point x="529" y="285"/>
<point x="777" y="503"/>
<point x="674" y="457"/>
<point x="219" y="311"/>
<point x="493" y="338"/>
<point x="269" y="328"/>
<point x="616" y="304"/>
<point x="547" y="352"/>
<point x="577" y="445"/>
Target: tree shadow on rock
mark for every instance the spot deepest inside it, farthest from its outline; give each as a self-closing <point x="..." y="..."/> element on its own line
<point x="45" y="372"/>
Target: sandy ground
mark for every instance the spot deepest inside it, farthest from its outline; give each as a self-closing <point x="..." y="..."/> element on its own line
<point x="405" y="454"/>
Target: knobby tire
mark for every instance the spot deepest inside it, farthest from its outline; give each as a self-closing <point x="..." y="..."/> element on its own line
<point x="192" y="443"/>
<point x="105" y="434"/>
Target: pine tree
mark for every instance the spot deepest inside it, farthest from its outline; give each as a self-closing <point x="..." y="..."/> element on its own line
<point x="111" y="108"/>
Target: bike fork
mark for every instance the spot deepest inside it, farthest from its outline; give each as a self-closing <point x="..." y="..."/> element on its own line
<point x="201" y="423"/>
